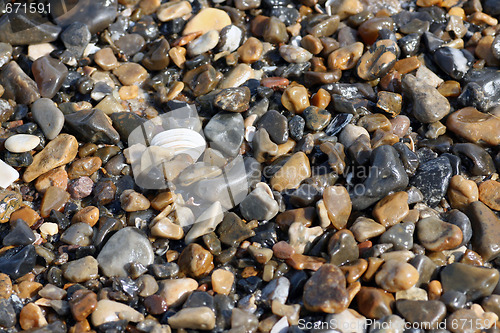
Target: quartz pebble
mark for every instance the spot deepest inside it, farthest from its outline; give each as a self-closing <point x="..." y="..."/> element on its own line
<point x="20" y="143"/>
<point x="108" y="311"/>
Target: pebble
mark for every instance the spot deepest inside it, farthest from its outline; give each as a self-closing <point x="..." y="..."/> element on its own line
<point x="89" y="215"/>
<point x="342" y="248"/>
<point x="132" y="201"/>
<point x="75" y="38"/>
<point x="108" y="311"/>
<point x="420" y="311"/>
<point x="31" y="316"/>
<point x="476" y="85"/>
<point x="20" y="143"/>
<point x="57" y="177"/>
<point x="295" y="54"/>
<point x="326" y="290"/>
<point x="474" y="282"/>
<point x="378" y="61"/>
<point x="230" y="39"/>
<point x="106" y="59"/>
<point x="396" y="276"/>
<point x="130" y="44"/>
<point x="482" y="163"/>
<point x="195" y="261"/>
<point x="130" y="73"/>
<point x="237" y="76"/>
<point x="49" y="75"/>
<point x="97" y="16"/>
<point x="58" y="152"/>
<point x="233" y="99"/>
<point x="485" y="234"/>
<point x="259" y="205"/>
<point x="452" y="61"/>
<point x="222" y="281"/>
<point x="461" y="192"/>
<point x="170" y="11"/>
<point x="400" y="236"/>
<point x="374" y="302"/>
<point x="437" y="235"/>
<point x="365" y="228"/>
<point x="429" y="105"/>
<point x="54" y="199"/>
<point x="92" y="126"/>
<point x="81" y="270"/>
<point x="83" y="303"/>
<point x="475" y="126"/>
<point x="274" y="31"/>
<point x="295" y="98"/>
<point x="292" y="173"/>
<point x="275" y="125"/>
<point x="125" y="246"/>
<point x="78" y="234"/>
<point x="232" y="230"/>
<point x="392" y="209"/>
<point x="316" y="118"/>
<point x="10" y="175"/>
<point x="489" y="194"/>
<point x="48" y="117"/>
<point x="346" y="57"/>
<point x="225" y="132"/>
<point x="20" y="234"/>
<point x="175" y="291"/>
<point x="207" y="19"/>
<point x="5" y="286"/>
<point x="432" y="179"/>
<point x="17" y="85"/>
<point x="204" y="43"/>
<point x="197" y="318"/>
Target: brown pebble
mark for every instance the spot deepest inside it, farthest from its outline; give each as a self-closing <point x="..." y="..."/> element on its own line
<point x="195" y="261"/>
<point x="222" y="281"/>
<point x="392" y="209"/>
<point x="84" y="167"/>
<point x="312" y="44"/>
<point x="407" y="65"/>
<point x="396" y="276"/>
<point x="31" y="316"/>
<point x="155" y="304"/>
<point x="57" y="177"/>
<point x="106" y="59"/>
<point x="475" y="126"/>
<point x="5" y="286"/>
<point x="450" y="89"/>
<point x="83" y="303"/>
<point x="346" y="57"/>
<point x="162" y="200"/>
<point x="128" y="92"/>
<point x="461" y="192"/>
<point x="28" y="289"/>
<point x="27" y="214"/>
<point x="338" y="204"/>
<point x="132" y="201"/>
<point x="131" y="73"/>
<point x="54" y="198"/>
<point x="292" y="173"/>
<point x="489" y="194"/>
<point x="283" y="250"/>
<point x="302" y="262"/>
<point x="89" y="215"/>
<point x="374" y="302"/>
<point x="370" y="28"/>
<point x="295" y="98"/>
<point x="435" y="289"/>
<point x="325" y="291"/>
<point x="354" y="270"/>
<point x="321" y="99"/>
<point x="251" y="50"/>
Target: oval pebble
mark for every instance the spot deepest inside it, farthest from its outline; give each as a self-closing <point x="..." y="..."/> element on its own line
<point x="20" y="143"/>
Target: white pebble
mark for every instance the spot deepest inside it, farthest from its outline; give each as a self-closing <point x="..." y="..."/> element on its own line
<point x="8" y="175"/>
<point x="49" y="228"/>
<point x="36" y="51"/>
<point x="20" y="143"/>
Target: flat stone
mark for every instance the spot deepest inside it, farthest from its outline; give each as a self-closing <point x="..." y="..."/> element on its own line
<point x="233" y="99"/>
<point x="108" y="311"/>
<point x="81" y="270"/>
<point x="204" y="43"/>
<point x="429" y="105"/>
<point x="452" y="61"/>
<point x="437" y="235"/>
<point x="17" y="85"/>
<point x="475" y="126"/>
<point x="58" y="152"/>
<point x="326" y="290"/>
<point x="78" y="234"/>
<point x="237" y="76"/>
<point x="32" y="317"/>
<point x="206" y="20"/>
<point x="106" y="59"/>
<point x="97" y="15"/>
<point x="20" y="143"/>
<point x="474" y="282"/>
<point x="92" y="126"/>
<point x="316" y="118"/>
<point x="338" y="205"/>
<point x="83" y="303"/>
<point x="485" y="235"/>
<point x="417" y="312"/>
<point x="48" y="117"/>
<point x="365" y="228"/>
<point x="130" y="44"/>
<point x="126" y="246"/>
<point x="225" y="132"/>
<point x="292" y="173"/>
<point x="432" y="179"/>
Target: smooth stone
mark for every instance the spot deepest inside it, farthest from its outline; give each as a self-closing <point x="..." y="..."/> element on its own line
<point x="295" y="54"/>
<point x="429" y="105"/>
<point x="342" y="248"/>
<point x="207" y="19"/>
<point x="462" y="192"/>
<point x="316" y="118"/>
<point x="274" y="31"/>
<point x="296" y="127"/>
<point x="474" y="282"/>
<point x="222" y="281"/>
<point x="364" y="228"/>
<point x="485" y="234"/>
<point x="325" y="291"/>
<point x="20" y="143"/>
<point x="374" y="302"/>
<point x="20" y="234"/>
<point x="126" y="246"/>
<point x="176" y="291"/>
<point x="437" y="235"/>
<point x="230" y="39"/>
<point x="18" y="261"/>
<point x="292" y="173"/>
<point x="418" y="312"/>
<point x="58" y="152"/>
<point x="479" y="91"/>
<point x="396" y="276"/>
<point x="491" y="304"/>
<point x="92" y="126"/>
<point x="233" y="99"/>
<point x="49" y="74"/>
<point x="17" y="85"/>
<point x="8" y="316"/>
<point x="475" y="126"/>
<point x="131" y="74"/>
<point x="461" y="220"/>
<point x="21" y="29"/>
<point x="5" y="53"/>
<point x="232" y="230"/>
<point x="198" y="318"/>
<point x="378" y="60"/>
<point x="130" y="44"/>
<point x="452" y="61"/>
<point x="489" y="194"/>
<point x="108" y="311"/>
<point x="392" y="209"/>
<point x="338" y="205"/>
<point x="106" y="59"/>
<point x="75" y="38"/>
<point x="204" y="43"/>
<point x="81" y="270"/>
<point x="384" y="161"/>
<point x="400" y="236"/>
<point x="251" y="50"/>
<point x="237" y="76"/>
<point x="125" y="123"/>
<point x="432" y="179"/>
<point x="195" y="261"/>
<point x="97" y="15"/>
<point x="9" y="175"/>
<point x="48" y="117"/>
<point x="482" y="162"/>
<point x="276" y="126"/>
<point x="259" y="205"/>
<point x="78" y="234"/>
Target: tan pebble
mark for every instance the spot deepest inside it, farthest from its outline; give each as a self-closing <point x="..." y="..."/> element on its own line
<point x="237" y="76"/>
<point x="57" y="177"/>
<point x="450" y="89"/>
<point x="480" y="17"/>
<point x="128" y="92"/>
<point x="149" y="6"/>
<point x="131" y="73"/>
<point x="197" y="318"/>
<point x="110" y="311"/>
<point x="396" y="276"/>
<point x="321" y="99"/>
<point x="54" y="199"/>
<point x="49" y="228"/>
<point x="84" y="167"/>
<point x="5" y="286"/>
<point x="392" y="209"/>
<point x="174" y="91"/>
<point x="346" y="57"/>
<point x="31" y="316"/>
<point x="175" y="291"/>
<point x="195" y="261"/>
<point x="489" y="194"/>
<point x="89" y="215"/>
<point x="27" y="214"/>
<point x="300" y="262"/>
<point x="407" y="65"/>
<point x="292" y="173"/>
<point x="461" y="192"/>
<point x="291" y="312"/>
<point x="365" y="228"/>
<point x="312" y="44"/>
<point x="475" y="126"/>
<point x="434" y="130"/>
<point x="178" y="56"/>
<point x="28" y="289"/>
<point x="484" y="51"/>
<point x="83" y="303"/>
<point x="106" y="59"/>
<point x="339" y="206"/>
<point x="222" y="281"/>
<point x="172" y="10"/>
<point x="207" y="19"/>
<point x="162" y="200"/>
<point x="251" y="50"/>
<point x="58" y="152"/>
<point x="283" y="250"/>
<point x="132" y="201"/>
<point x="165" y="228"/>
<point x="434" y="290"/>
<point x="373" y="266"/>
<point x="295" y="98"/>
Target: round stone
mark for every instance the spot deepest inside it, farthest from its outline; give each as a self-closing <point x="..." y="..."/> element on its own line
<point x="20" y="143"/>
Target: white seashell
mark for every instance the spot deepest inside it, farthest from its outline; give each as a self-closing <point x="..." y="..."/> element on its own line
<point x="181" y="141"/>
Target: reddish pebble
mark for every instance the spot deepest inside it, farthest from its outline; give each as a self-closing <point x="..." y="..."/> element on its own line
<point x="275" y="83"/>
<point x="283" y="250"/>
<point x="80" y="188"/>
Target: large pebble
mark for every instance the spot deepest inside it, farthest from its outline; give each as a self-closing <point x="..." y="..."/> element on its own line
<point x="17" y="85"/>
<point x="475" y="126"/>
<point x="92" y="126"/>
<point x="432" y="179"/>
<point x="48" y="117"/>
<point x="474" y="282"/>
<point x="49" y="74"/>
<point x="225" y="132"/>
<point x="292" y="173"/>
<point x="485" y="236"/>
<point x="233" y="99"/>
<point x="396" y="276"/>
<point x="81" y="270"/>
<point x="392" y="209"/>
<point x="437" y="235"/>
<point x="452" y="61"/>
<point x="374" y="302"/>
<point x="259" y="205"/>
<point x="20" y="143"/>
<point x="108" y="311"/>
<point x="96" y="14"/>
<point x="338" y="205"/>
<point x="60" y="151"/>
<point x="207" y="19"/>
<point x="295" y="54"/>
<point x="418" y="312"/>
<point x="197" y="318"/>
<point x="237" y="76"/>
<point x="175" y="291"/>
<point x="126" y="246"/>
<point x="326" y="290"/>
<point x="204" y="43"/>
